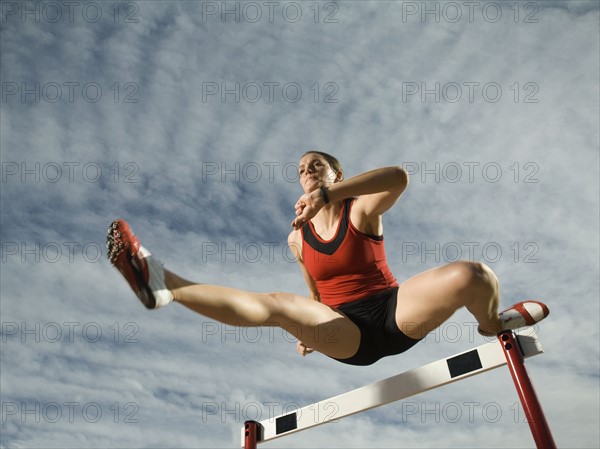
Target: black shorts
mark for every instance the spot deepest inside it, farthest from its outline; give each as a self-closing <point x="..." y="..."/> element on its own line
<point x="375" y="316"/>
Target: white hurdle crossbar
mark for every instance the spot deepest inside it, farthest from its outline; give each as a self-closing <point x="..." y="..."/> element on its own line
<point x="427" y="377"/>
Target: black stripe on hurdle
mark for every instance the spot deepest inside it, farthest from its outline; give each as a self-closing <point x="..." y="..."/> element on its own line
<point x="286" y="423"/>
<point x="464" y="363"/>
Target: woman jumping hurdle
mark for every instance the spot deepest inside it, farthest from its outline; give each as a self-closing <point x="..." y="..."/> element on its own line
<point x="337" y="239"/>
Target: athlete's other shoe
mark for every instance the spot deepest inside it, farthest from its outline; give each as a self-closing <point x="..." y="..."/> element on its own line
<point x="522" y="314"/>
<point x="142" y="271"/>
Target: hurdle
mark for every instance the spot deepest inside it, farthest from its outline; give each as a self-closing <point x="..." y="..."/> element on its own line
<point x="510" y="349"/>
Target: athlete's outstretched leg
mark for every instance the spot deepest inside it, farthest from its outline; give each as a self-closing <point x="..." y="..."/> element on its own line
<point x="317" y="325"/>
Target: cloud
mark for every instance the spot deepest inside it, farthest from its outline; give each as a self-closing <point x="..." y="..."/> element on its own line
<point x="188" y="124"/>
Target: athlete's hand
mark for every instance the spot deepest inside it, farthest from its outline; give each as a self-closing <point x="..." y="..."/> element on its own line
<point x="307" y="206"/>
<point x="302" y="349"/>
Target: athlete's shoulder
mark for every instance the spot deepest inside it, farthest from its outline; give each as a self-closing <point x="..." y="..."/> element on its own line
<point x="294" y="235"/>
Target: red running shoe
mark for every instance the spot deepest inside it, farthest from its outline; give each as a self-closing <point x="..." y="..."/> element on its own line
<point x="142" y="271"/>
<point x="522" y="314"/>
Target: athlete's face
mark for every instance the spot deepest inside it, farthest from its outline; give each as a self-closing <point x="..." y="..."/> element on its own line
<point x="315" y="172"/>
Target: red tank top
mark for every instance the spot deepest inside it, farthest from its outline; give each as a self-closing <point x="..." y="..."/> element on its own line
<point x="348" y="267"/>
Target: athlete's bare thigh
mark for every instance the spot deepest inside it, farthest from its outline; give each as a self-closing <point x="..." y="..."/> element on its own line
<point x="318" y="326"/>
<point x="428" y="299"/>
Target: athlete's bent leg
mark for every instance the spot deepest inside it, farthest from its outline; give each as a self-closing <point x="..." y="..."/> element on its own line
<point x="428" y="299"/>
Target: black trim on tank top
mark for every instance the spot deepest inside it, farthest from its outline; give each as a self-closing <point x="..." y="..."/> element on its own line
<point x="374" y="237"/>
<point x="331" y="247"/>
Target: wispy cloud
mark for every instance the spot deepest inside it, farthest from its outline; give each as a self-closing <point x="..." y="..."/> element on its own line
<point x="188" y="123"/>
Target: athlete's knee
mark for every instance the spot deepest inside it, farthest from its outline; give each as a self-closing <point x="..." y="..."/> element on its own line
<point x="284" y="310"/>
<point x="280" y="306"/>
<point x="473" y="275"/>
<point x="273" y="302"/>
<point x="488" y="276"/>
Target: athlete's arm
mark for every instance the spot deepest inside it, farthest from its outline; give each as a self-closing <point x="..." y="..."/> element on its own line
<point x="294" y="242"/>
<point x="377" y="190"/>
<point x="369" y="208"/>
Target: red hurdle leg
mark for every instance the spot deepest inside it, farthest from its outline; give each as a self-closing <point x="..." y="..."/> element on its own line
<point x="533" y="409"/>
<point x="251" y="432"/>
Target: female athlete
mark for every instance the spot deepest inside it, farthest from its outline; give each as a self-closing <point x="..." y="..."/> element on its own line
<point x="356" y="311"/>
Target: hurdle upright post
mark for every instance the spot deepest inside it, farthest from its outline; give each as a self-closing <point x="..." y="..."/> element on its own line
<point x="250" y="434"/>
<point x="531" y="404"/>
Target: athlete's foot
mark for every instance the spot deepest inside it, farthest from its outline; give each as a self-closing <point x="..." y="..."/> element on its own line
<point x="142" y="271"/>
<point x="522" y="314"/>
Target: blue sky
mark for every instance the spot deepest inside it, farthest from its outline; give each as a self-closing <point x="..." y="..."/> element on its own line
<point x="188" y="120"/>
